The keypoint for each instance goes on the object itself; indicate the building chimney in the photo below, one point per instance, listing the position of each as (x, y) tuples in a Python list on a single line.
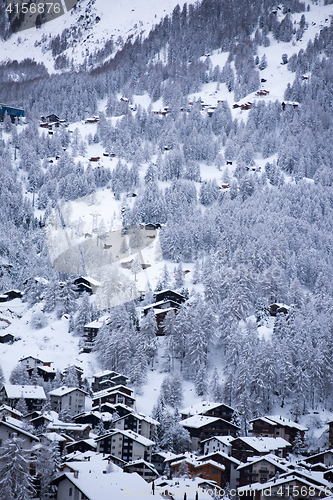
[(76, 474)]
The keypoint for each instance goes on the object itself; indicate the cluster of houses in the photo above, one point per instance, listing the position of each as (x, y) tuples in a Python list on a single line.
[(111, 444)]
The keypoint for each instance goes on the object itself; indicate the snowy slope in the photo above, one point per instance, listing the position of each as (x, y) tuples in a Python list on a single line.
[(117, 19)]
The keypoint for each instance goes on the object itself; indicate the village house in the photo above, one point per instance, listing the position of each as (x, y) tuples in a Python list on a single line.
[(125, 444), (209, 409), (277, 426), (245, 447), (143, 468), (231, 464), (100, 485), (209, 469), (82, 445), (31, 362), (137, 422), (86, 284), (75, 431), (8, 429), (282, 488), (325, 458), (217, 443), (34, 396), (107, 378), (90, 331), (158, 459), (94, 418), (7, 338), (202, 427), (114, 395), (71, 398), (260, 469), (118, 408), (275, 309), (7, 411)]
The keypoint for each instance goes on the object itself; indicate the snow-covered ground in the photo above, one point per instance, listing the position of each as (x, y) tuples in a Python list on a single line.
[(117, 19)]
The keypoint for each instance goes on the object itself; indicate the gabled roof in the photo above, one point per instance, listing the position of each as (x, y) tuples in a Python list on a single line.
[(18, 429), (140, 416), (143, 462), (226, 440), (272, 459), (33, 357), (282, 421), (275, 482), (264, 444), (130, 434), (197, 421), (62, 391), (201, 408), (97, 486), (222, 455), (25, 391)]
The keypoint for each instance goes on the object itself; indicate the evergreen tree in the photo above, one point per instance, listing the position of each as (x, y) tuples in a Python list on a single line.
[(47, 463), (15, 480)]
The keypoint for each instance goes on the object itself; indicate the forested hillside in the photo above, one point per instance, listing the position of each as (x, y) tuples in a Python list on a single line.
[(266, 237)]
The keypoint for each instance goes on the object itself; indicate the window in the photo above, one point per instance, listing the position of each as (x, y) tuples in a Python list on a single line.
[(70, 492), (214, 470), (70, 400), (0, 442)]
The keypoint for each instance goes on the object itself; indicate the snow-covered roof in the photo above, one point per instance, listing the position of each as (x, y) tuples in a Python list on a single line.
[(96, 486), (274, 482), (140, 416), (105, 373), (11, 410), (202, 407), (178, 486), (141, 461), (130, 434), (286, 422), (263, 444), (67, 426), (272, 459), (222, 455), (17, 428), (91, 280), (312, 476), (54, 436), (111, 390), (61, 391), (98, 323), (226, 440), (25, 391), (197, 421)]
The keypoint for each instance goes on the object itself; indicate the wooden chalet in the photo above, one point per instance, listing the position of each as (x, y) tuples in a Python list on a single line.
[(86, 284), (210, 409), (245, 447), (170, 295), (325, 458), (34, 396), (209, 469), (202, 427), (106, 379), (94, 418), (275, 309), (282, 488), (277, 426), (114, 395), (260, 470), (143, 468), (231, 464)]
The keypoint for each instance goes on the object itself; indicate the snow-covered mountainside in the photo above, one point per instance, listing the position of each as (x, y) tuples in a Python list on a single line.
[(214, 126), (87, 28)]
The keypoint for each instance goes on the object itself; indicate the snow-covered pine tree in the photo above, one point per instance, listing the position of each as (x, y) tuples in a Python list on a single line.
[(16, 483)]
